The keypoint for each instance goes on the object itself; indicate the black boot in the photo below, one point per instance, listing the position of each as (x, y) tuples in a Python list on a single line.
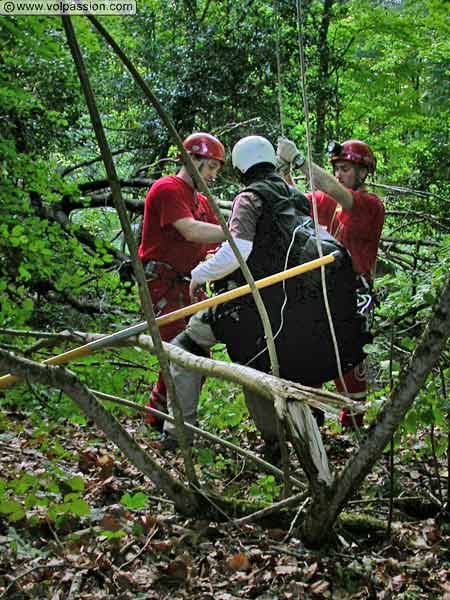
[(271, 452)]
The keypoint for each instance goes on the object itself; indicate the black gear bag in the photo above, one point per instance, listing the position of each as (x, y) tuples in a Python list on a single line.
[(304, 343)]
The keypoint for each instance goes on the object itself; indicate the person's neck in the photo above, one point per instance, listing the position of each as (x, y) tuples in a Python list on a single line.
[(184, 175)]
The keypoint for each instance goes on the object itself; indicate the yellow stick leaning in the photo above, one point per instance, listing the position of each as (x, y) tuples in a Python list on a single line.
[(112, 338)]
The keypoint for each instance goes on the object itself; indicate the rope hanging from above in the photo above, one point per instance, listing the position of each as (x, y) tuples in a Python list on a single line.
[(311, 178), (310, 170)]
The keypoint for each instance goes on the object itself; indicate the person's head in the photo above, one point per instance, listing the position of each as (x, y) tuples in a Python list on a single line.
[(352, 161), (254, 157), (207, 152)]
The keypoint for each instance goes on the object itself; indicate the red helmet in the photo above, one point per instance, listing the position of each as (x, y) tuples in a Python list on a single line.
[(205, 144), (354, 151)]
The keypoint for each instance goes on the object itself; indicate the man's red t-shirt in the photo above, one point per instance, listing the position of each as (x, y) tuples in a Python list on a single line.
[(358, 229), (168, 200)]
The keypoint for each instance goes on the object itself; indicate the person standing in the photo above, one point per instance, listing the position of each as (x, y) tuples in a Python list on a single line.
[(179, 230), (353, 216)]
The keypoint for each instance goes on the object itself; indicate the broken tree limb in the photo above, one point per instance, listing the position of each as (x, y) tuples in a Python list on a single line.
[(185, 500), (305, 433), (262, 383)]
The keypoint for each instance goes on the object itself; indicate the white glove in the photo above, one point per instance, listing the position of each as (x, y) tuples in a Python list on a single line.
[(287, 151)]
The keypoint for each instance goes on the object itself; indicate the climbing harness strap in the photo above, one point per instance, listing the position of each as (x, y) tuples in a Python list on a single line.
[(155, 269)]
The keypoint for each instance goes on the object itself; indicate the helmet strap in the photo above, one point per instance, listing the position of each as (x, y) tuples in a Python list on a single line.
[(359, 180)]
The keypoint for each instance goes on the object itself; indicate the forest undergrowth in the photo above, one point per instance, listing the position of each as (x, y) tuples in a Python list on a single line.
[(77, 521)]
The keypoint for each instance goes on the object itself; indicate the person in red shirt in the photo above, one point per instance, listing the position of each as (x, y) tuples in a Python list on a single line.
[(353, 216), (179, 229)]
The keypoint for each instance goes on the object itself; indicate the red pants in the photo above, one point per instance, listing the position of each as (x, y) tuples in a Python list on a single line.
[(167, 296), (356, 384)]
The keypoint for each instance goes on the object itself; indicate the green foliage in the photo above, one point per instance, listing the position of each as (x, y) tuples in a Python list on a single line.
[(136, 501), (20, 497), (222, 405), (113, 535), (266, 489)]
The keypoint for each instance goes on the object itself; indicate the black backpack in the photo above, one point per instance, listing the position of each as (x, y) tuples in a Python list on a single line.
[(304, 343)]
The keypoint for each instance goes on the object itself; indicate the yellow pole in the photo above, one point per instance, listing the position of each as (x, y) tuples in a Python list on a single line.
[(86, 349), (244, 289)]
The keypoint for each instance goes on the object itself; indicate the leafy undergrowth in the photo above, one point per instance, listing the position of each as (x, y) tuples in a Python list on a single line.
[(78, 522)]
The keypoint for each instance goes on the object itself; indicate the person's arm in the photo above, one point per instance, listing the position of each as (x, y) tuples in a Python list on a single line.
[(221, 264), (246, 211), (288, 154), (326, 182), (199, 231)]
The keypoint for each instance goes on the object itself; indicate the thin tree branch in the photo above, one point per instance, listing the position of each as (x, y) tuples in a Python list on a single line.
[(201, 184), (92, 161), (198, 431), (60, 378), (193, 171), (126, 227)]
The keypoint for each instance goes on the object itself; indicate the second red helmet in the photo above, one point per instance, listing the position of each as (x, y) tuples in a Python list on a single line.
[(206, 145), (354, 151)]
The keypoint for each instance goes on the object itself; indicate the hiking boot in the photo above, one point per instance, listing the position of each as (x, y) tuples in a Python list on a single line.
[(271, 452), (166, 443), (152, 420), (319, 415), (156, 425)]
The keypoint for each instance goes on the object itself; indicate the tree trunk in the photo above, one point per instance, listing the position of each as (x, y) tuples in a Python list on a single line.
[(325, 508), (323, 90)]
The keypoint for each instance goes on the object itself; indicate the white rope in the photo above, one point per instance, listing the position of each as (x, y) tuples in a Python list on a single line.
[(314, 201), (279, 93), (283, 306)]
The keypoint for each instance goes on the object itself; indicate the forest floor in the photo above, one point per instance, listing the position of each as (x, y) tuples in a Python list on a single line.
[(78, 522)]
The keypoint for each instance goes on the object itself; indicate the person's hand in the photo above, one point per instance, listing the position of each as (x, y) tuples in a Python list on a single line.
[(287, 151), (194, 289)]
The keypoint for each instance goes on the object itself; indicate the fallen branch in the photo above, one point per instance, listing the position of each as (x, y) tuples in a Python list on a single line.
[(185, 500), (138, 270), (273, 508), (408, 242), (201, 432), (404, 190)]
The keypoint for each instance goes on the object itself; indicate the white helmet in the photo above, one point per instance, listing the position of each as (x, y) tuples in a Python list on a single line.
[(252, 150)]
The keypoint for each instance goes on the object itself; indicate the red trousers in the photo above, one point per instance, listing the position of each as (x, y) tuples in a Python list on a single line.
[(356, 384), (167, 295)]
